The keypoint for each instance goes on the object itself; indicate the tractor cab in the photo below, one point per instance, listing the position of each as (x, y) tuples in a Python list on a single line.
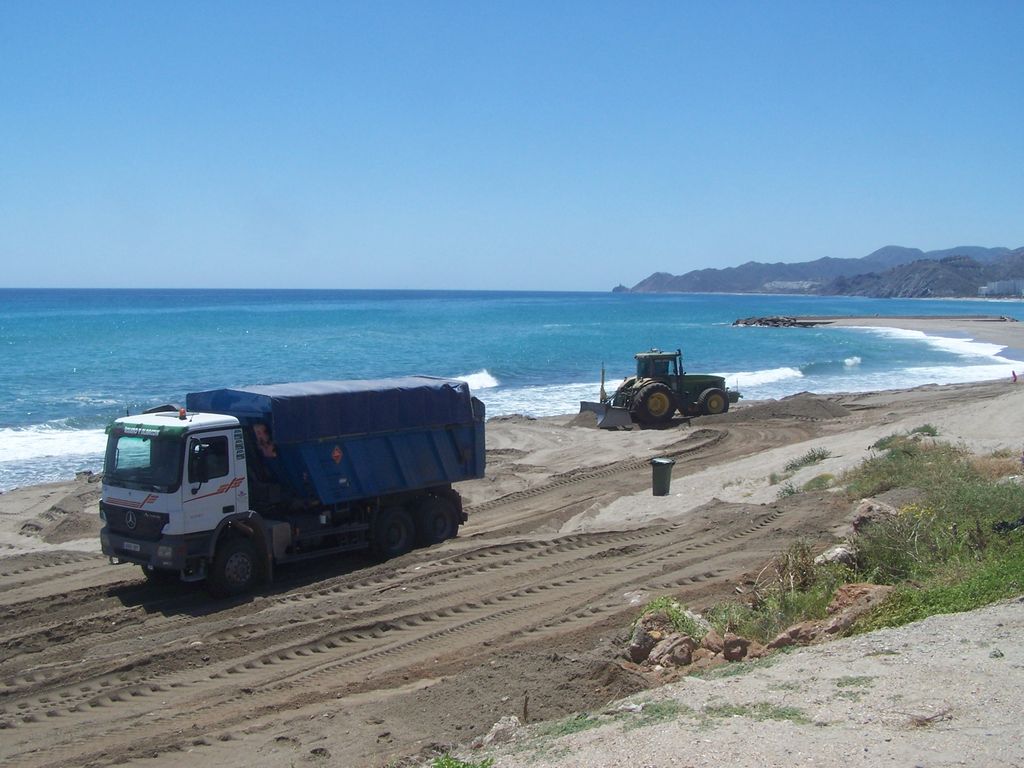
[(660, 366)]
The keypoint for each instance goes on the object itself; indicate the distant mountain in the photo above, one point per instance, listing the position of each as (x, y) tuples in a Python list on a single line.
[(893, 255), (951, 276), (889, 271)]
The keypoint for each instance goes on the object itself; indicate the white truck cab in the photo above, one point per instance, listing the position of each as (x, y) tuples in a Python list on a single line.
[(171, 479)]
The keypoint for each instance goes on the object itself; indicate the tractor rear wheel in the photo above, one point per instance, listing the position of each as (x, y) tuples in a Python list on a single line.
[(654, 404), (712, 401)]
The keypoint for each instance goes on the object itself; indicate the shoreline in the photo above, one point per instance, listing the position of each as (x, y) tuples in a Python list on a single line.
[(990, 329), (1000, 330), (993, 329)]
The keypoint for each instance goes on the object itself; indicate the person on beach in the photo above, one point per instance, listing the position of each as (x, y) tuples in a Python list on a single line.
[(264, 441)]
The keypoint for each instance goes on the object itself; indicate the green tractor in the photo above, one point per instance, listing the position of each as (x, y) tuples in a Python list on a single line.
[(659, 389)]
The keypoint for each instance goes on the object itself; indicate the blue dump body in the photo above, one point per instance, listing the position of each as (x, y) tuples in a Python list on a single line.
[(341, 441)]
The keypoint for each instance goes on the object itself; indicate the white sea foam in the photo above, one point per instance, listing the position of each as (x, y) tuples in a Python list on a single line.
[(859, 380), (964, 347), (544, 400), (741, 379), (44, 453), (41, 441), (480, 380), (852, 362), (953, 374)]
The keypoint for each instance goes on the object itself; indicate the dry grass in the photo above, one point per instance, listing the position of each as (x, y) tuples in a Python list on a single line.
[(996, 467)]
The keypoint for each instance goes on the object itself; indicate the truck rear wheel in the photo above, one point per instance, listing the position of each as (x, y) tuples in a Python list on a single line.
[(713, 401), (393, 533), (654, 405), (235, 569), (436, 520)]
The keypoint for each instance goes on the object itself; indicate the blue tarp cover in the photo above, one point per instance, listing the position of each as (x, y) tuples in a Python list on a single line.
[(316, 410)]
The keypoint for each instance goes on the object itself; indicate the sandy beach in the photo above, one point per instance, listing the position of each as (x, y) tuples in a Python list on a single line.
[(363, 663)]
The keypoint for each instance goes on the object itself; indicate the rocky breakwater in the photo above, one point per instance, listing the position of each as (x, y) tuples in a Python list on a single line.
[(778, 321)]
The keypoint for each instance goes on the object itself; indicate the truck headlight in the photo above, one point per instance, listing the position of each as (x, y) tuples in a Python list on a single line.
[(164, 552)]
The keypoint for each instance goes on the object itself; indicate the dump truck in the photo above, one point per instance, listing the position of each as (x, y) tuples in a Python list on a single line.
[(659, 389), (242, 480)]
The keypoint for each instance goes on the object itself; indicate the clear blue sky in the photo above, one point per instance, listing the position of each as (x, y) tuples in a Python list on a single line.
[(485, 145)]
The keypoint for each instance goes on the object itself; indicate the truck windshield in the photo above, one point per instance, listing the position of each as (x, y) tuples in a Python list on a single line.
[(143, 462)]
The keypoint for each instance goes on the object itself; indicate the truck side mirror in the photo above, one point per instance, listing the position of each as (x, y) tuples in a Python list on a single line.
[(198, 467)]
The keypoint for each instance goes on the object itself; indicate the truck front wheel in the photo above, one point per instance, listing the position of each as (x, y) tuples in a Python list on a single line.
[(236, 568), (393, 533), (437, 520)]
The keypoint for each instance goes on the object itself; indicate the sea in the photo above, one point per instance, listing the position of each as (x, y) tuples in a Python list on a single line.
[(74, 360)]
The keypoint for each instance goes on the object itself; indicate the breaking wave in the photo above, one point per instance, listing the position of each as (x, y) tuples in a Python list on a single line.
[(758, 378), (480, 380)]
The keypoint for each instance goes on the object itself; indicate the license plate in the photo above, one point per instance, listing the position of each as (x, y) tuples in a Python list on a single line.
[(131, 546)]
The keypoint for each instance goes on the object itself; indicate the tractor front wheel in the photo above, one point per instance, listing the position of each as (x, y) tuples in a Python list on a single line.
[(654, 405), (712, 402)]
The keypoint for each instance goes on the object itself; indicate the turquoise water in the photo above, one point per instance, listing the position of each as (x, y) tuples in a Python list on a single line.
[(75, 359)]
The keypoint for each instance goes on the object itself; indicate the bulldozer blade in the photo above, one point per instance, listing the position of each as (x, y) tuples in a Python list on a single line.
[(608, 416)]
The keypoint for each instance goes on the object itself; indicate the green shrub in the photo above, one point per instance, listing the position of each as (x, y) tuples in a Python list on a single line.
[(759, 711), (655, 712), (950, 527), (908, 464), (905, 441), (787, 489), (808, 459), (681, 621), (944, 553), (792, 588), (819, 482), (582, 721), (998, 577), (771, 612), (447, 761)]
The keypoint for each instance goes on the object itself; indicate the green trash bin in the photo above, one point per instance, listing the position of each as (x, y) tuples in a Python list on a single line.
[(661, 480)]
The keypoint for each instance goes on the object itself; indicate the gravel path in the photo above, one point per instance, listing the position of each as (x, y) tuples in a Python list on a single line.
[(946, 691)]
